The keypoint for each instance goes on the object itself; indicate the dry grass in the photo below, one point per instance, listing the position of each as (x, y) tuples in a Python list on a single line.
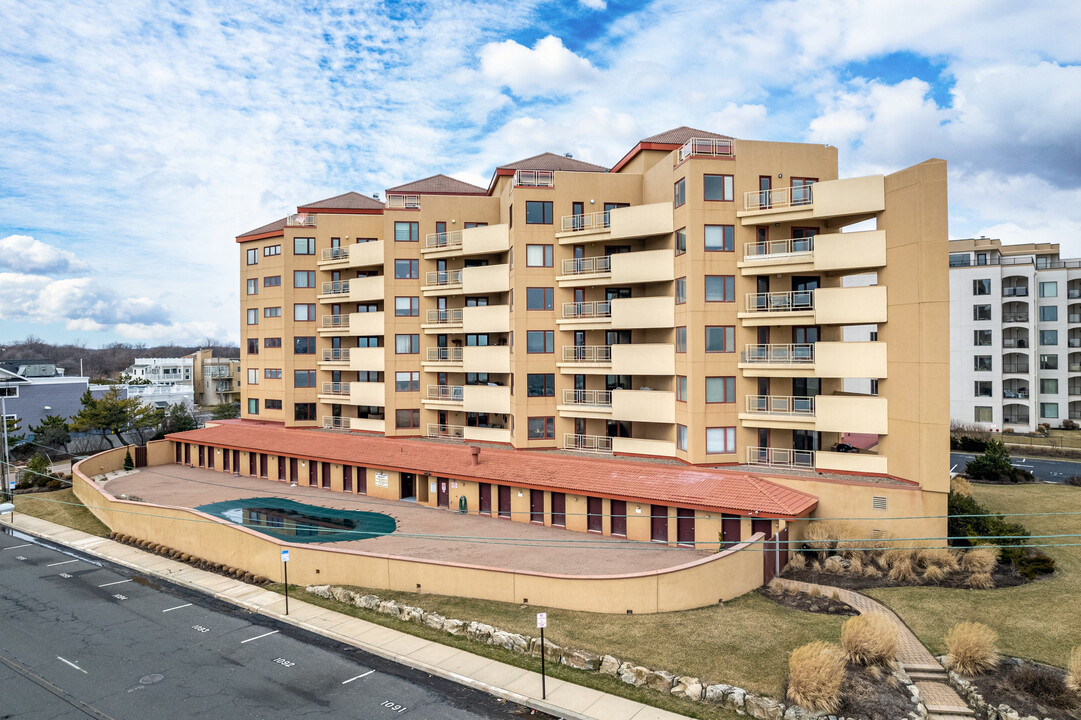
[(819, 536), (796, 562), (874, 672), (972, 648), (980, 581), (63, 508), (980, 560), (855, 565), (836, 595), (776, 586), (939, 557), (933, 574), (834, 565), (815, 591), (815, 674), (1073, 670), (901, 570), (869, 639), (960, 486), (816, 566), (870, 571)]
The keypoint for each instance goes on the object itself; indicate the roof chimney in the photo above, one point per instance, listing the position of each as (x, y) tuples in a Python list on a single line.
[(476, 454)]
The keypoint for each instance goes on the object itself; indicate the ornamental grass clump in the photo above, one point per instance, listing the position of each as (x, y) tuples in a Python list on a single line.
[(980, 560), (960, 486), (869, 639), (980, 581), (815, 674), (1073, 670), (796, 562), (933, 574), (971, 648), (819, 536), (901, 571), (940, 557), (834, 565)]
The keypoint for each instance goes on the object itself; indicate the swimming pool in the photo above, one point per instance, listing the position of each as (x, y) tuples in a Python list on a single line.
[(300, 523)]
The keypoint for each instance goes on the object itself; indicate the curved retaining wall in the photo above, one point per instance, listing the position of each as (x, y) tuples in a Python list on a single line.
[(722, 576)]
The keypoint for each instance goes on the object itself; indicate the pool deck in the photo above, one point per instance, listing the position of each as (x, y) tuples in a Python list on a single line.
[(423, 532)]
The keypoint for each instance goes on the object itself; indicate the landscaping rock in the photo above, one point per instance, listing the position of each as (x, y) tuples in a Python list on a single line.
[(688, 687), (434, 620), (610, 666), (633, 674), (763, 708), (662, 680), (370, 602), (342, 595), (795, 712), (389, 607), (411, 613), (581, 660), (1005, 712), (510, 641), (552, 652), (322, 591), (479, 632), (454, 627)]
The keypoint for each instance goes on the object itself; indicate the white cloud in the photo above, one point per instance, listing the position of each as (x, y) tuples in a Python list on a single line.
[(548, 69), (24, 254), (593, 4), (38, 298)]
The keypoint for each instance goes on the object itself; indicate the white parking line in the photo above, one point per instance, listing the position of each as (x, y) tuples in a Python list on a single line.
[(69, 662), (17, 546), (66, 562), (258, 636), (358, 677), (118, 582), (177, 607)]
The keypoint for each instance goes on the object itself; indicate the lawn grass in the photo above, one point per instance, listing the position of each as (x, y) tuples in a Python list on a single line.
[(1039, 620), (62, 508)]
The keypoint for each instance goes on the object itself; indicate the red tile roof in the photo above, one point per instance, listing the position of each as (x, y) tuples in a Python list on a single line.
[(704, 489), (680, 135), (269, 227), (345, 201), (439, 185), (551, 161)]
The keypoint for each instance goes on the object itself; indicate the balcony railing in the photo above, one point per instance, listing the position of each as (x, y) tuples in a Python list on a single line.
[(445, 393), (780, 301), (587, 266), (1073, 390), (1014, 368), (707, 147), (445, 431), (587, 443), (223, 386), (448, 240), (1073, 342), (779, 354), (768, 249), (1073, 293), (445, 316), (335, 354), (1016, 393), (535, 178), (601, 398), (336, 287), (1015, 318), (336, 253), (335, 422), (442, 278), (1015, 292), (335, 388), (586, 221), (778, 197), (587, 309), (587, 353), (301, 220), (399, 202), (335, 321), (1015, 420), (444, 354), (781, 404), (781, 457), (1073, 318), (1014, 342)]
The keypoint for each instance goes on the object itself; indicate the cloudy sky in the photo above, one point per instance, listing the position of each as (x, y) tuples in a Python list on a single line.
[(137, 139)]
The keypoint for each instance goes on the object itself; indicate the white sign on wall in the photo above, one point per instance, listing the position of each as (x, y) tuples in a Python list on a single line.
[(382, 480)]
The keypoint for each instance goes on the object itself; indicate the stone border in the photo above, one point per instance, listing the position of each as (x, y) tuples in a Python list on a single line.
[(971, 693)]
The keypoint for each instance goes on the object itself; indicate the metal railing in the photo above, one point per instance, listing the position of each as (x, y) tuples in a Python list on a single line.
[(587, 397), (587, 443), (781, 457), (398, 202), (1015, 292), (778, 198), (1073, 318), (780, 301), (301, 220), (1073, 294), (445, 393), (588, 266), (335, 388), (779, 354), (1023, 318), (1014, 368), (445, 316), (781, 404), (335, 422), (335, 321), (708, 147), (587, 309), (586, 221), (335, 287), (1073, 342), (450, 239), (439, 278), (335, 253), (535, 178), (446, 431), (1018, 394), (444, 354), (335, 354), (765, 249), (1015, 342), (587, 353)]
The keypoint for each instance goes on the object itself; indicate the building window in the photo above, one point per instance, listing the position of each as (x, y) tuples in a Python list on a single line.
[(253, 316), (981, 287), (253, 376), (983, 388), (406, 232), (681, 437), (720, 389), (1048, 289), (253, 286), (1049, 362), (407, 419), (541, 385), (272, 250), (272, 312), (538, 255), (303, 378), (538, 299), (719, 187), (253, 406), (304, 312), (720, 238), (720, 339), (1048, 313), (679, 192), (272, 281), (304, 411), (681, 339), (1048, 386), (542, 428), (539, 341), (1049, 337), (681, 290), (981, 338), (407, 344), (303, 345), (982, 363), (253, 346), (406, 306), (538, 212), (1049, 410), (681, 241), (981, 312), (272, 342), (272, 374), (983, 414), (407, 269), (720, 440), (681, 388), (720, 288), (303, 246), (253, 256), (407, 382), (272, 404)]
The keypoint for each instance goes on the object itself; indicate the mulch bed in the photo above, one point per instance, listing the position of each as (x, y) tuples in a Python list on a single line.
[(1004, 576), (1030, 689), (864, 697), (803, 601)]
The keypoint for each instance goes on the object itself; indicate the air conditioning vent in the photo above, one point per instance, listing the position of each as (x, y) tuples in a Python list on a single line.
[(878, 502)]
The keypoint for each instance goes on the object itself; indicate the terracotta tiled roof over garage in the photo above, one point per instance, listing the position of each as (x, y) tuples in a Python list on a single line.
[(438, 185), (350, 201), (671, 485), (551, 161)]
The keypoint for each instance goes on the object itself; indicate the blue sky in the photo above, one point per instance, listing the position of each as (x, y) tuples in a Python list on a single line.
[(138, 138)]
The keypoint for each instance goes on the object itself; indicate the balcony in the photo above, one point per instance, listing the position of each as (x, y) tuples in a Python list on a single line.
[(778, 198), (486, 319), (444, 395), (1019, 291), (443, 320), (779, 354), (368, 394), (585, 222), (368, 424), (450, 432), (823, 413), (781, 458), (468, 432), (443, 357), (367, 254), (587, 443), (367, 324), (403, 202), (335, 355), (486, 399), (644, 359), (824, 306), (636, 221), (442, 282), (534, 178), (335, 287), (829, 251), (601, 399), (335, 422), (366, 289), (704, 147), (486, 279), (483, 240), (334, 322), (644, 312), (587, 310), (443, 241), (334, 254), (862, 196), (798, 405), (300, 220), (486, 358), (643, 266), (821, 359), (592, 266), (335, 389), (368, 359), (587, 356)]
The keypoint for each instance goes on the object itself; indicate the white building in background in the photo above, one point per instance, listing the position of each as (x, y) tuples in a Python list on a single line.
[(163, 371), (1015, 335)]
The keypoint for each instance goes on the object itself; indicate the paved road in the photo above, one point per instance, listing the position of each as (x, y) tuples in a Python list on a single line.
[(79, 640), (1052, 471)]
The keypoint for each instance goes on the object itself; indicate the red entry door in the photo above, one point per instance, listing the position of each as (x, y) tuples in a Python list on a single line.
[(536, 506), (486, 498), (443, 492), (202, 451), (762, 525), (596, 519), (559, 510), (619, 518), (730, 529), (685, 527), (658, 524), (504, 501)]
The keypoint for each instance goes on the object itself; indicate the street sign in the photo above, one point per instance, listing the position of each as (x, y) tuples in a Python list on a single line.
[(542, 620), (285, 556)]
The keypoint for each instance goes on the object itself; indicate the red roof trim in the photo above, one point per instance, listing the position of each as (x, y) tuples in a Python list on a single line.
[(639, 148), (261, 236), (340, 211), (499, 172)]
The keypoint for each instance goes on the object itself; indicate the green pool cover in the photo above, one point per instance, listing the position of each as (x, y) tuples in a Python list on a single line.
[(297, 522)]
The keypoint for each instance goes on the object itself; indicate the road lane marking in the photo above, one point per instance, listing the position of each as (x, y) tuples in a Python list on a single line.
[(953, 468), (358, 677), (17, 546), (66, 562), (258, 636), (118, 582), (69, 662), (177, 607)]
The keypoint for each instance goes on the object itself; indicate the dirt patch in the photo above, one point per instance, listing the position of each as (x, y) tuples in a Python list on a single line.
[(1030, 689), (1004, 576), (802, 601), (874, 699)]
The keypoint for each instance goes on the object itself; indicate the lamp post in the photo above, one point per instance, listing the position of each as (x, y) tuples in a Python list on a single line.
[(7, 453)]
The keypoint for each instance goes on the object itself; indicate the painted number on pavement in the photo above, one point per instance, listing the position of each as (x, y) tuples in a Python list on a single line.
[(394, 706), (284, 662), (200, 628)]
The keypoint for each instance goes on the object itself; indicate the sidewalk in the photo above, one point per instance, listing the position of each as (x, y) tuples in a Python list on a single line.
[(511, 683)]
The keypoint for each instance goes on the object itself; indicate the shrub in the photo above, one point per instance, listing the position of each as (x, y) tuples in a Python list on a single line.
[(971, 648), (815, 591), (897, 555), (818, 536), (815, 674), (995, 466), (943, 558), (855, 565), (775, 587), (901, 571), (967, 443), (1074, 480), (1073, 670), (1035, 562), (834, 565), (964, 523), (796, 562), (1040, 682), (816, 566), (961, 486), (981, 581), (933, 574), (872, 572), (129, 464), (869, 639), (1069, 425), (980, 560)]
